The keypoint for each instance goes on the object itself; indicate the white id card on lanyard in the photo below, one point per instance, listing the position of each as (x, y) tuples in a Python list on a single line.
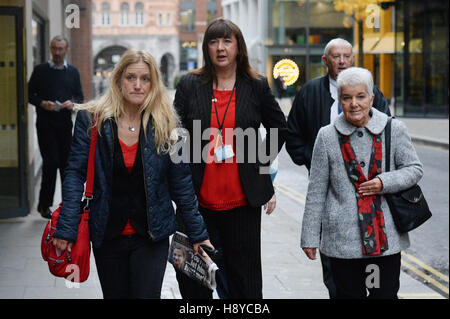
[(222, 152)]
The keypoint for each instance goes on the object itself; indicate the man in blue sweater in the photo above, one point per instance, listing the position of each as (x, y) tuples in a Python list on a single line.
[(53, 88)]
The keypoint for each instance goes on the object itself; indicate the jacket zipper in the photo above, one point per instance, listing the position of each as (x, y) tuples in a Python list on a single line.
[(145, 189)]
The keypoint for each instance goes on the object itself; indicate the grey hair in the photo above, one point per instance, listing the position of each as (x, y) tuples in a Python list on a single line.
[(337, 42), (355, 76), (60, 38)]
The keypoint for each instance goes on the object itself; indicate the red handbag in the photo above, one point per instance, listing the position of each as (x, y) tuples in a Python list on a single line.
[(73, 266)]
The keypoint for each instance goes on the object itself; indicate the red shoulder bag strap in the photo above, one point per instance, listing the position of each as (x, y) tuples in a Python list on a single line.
[(90, 170)]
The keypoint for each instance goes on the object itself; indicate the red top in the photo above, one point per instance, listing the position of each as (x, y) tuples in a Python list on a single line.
[(221, 187), (129, 156)]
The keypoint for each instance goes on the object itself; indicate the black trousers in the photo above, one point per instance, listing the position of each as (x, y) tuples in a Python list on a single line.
[(131, 267), (237, 233), (54, 144), (371, 278)]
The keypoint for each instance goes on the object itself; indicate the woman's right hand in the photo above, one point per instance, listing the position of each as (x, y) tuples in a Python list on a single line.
[(310, 252), (62, 244)]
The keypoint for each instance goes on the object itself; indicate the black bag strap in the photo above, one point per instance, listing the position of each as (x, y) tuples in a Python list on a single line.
[(387, 141)]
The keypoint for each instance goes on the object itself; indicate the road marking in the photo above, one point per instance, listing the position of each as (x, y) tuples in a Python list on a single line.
[(425, 266), (421, 295), (287, 188), (425, 276), (298, 200)]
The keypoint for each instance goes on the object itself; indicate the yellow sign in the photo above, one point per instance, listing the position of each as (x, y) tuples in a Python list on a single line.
[(288, 70)]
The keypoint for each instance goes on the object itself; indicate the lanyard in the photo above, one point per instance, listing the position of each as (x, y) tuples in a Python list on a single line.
[(225, 114)]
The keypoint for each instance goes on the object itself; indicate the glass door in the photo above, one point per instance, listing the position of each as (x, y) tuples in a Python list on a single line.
[(13, 197)]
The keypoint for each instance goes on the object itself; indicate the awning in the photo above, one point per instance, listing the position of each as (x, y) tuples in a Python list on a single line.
[(368, 43), (386, 45), (378, 44)]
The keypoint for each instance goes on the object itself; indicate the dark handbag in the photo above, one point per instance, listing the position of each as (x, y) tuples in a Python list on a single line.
[(409, 209), (73, 266)]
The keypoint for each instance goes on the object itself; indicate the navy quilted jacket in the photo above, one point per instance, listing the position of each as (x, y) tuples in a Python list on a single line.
[(164, 181)]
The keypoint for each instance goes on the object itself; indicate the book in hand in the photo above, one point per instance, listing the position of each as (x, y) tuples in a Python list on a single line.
[(197, 267)]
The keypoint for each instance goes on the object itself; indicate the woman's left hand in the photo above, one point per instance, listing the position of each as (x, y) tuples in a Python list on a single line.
[(270, 205), (197, 245), (372, 187)]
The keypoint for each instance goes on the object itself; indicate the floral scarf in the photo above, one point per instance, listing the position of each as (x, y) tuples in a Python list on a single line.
[(370, 214)]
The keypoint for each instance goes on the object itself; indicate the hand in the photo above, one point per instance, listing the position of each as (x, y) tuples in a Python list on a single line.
[(48, 105), (67, 105), (197, 246), (62, 244), (310, 252), (270, 205), (372, 187)]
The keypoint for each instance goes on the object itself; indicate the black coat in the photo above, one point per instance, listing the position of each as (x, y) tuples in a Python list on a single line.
[(255, 105), (310, 111)]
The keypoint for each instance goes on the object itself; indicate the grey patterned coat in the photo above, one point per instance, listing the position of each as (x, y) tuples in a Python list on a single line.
[(331, 200)]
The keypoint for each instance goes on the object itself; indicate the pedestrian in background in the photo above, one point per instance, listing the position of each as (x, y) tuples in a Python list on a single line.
[(317, 105), (345, 192), (227, 94), (53, 88), (131, 213)]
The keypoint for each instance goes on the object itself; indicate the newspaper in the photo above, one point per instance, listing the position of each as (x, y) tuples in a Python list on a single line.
[(181, 256)]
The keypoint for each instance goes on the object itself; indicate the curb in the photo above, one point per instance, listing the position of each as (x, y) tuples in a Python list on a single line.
[(429, 141)]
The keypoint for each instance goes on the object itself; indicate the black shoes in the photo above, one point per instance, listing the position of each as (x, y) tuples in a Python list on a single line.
[(44, 211)]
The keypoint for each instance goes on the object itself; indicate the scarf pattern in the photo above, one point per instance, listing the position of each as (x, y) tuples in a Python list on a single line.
[(370, 214)]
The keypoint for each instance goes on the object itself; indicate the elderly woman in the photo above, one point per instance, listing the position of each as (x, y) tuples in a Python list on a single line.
[(131, 215), (345, 193)]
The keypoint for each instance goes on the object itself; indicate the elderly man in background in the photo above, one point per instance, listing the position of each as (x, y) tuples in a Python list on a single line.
[(317, 105)]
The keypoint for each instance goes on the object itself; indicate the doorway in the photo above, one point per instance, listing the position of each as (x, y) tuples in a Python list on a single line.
[(13, 194)]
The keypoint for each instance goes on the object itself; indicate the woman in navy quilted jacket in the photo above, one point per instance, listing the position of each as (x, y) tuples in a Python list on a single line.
[(131, 212)]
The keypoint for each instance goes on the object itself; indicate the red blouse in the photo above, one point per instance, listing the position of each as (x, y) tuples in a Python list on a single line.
[(221, 187), (129, 156)]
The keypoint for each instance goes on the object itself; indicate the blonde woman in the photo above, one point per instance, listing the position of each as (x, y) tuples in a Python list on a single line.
[(131, 211)]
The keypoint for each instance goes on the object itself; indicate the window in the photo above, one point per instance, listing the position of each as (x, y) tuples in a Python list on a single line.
[(160, 17), (211, 10), (124, 13), (106, 15), (94, 14), (187, 15), (139, 12)]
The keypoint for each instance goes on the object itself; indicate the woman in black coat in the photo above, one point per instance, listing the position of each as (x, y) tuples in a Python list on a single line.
[(222, 105)]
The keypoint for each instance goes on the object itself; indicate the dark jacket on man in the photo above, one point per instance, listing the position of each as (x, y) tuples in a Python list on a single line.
[(310, 111)]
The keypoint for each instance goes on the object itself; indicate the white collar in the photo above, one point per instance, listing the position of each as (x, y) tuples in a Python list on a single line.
[(54, 66)]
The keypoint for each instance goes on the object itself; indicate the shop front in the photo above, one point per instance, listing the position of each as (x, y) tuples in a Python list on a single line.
[(421, 58), (299, 31)]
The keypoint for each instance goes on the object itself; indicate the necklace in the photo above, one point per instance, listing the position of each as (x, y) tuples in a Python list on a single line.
[(131, 127)]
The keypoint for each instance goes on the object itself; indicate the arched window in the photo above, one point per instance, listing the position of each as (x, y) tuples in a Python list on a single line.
[(106, 14), (124, 13), (139, 13)]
